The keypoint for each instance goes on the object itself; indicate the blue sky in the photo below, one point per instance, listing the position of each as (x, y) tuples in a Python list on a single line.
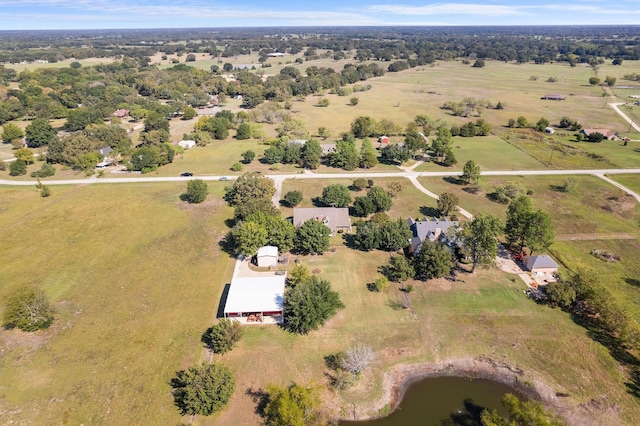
[(84, 14)]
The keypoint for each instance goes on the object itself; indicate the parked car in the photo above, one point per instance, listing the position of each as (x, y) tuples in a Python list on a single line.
[(186, 174), (224, 178)]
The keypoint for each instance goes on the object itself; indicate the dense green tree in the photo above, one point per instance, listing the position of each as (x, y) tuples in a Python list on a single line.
[(610, 81), (594, 81), (432, 260), (368, 155), (364, 126), (28, 309), (203, 389), (447, 203), (311, 154), (394, 154), (519, 412), (79, 118), (280, 231), (363, 206), (222, 337), (561, 294), (345, 155), (414, 142), (367, 236), (518, 214), (470, 173), (380, 284), (359, 184), (522, 122), (540, 232), (197, 191), (155, 121), (244, 131), (39, 133), (336, 195), (312, 237), (109, 136), (309, 305), (274, 154), (250, 186), (248, 237), (380, 198), (17, 168), (45, 170), (293, 198), (292, 406), (189, 113), (399, 269), (479, 63), (248, 156), (393, 235), (253, 206), (542, 124), (442, 144), (11, 132), (480, 239)]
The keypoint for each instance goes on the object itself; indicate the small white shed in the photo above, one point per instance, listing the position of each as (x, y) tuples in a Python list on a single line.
[(188, 144), (267, 256)]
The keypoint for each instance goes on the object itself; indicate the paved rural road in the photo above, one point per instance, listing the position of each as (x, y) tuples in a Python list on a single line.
[(623, 115)]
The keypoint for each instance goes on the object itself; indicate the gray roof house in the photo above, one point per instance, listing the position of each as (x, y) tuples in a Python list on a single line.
[(432, 230), (335, 218)]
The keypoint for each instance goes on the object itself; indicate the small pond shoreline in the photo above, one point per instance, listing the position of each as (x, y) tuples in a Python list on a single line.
[(398, 379)]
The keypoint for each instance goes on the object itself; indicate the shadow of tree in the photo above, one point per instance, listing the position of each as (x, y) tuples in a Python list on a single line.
[(429, 211), (469, 417), (632, 281), (259, 397)]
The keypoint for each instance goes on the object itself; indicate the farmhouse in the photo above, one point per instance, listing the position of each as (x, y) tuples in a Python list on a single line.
[(267, 256), (554, 97), (121, 113), (187, 144), (542, 266), (106, 158), (256, 300), (432, 230), (608, 134), (328, 148), (336, 219)]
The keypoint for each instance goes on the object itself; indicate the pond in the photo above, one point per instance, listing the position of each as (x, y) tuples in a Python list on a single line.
[(444, 401)]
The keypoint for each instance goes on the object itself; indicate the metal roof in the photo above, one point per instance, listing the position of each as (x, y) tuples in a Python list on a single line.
[(256, 294)]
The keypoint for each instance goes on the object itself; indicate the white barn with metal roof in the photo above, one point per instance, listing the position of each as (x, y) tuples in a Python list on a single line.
[(254, 299)]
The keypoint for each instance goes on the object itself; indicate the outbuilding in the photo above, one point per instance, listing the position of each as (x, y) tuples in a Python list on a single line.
[(267, 256), (187, 144), (256, 300), (542, 266)]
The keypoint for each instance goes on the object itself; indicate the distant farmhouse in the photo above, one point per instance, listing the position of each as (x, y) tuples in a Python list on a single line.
[(336, 219), (121, 113), (554, 97), (432, 230), (608, 134)]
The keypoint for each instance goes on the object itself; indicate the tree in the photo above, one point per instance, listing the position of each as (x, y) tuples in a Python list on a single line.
[(11, 132), (522, 122), (39, 133), (540, 233), (298, 274), (359, 184), (357, 358), (354, 101), (189, 113), (528, 228), (45, 191), (594, 81), (380, 198), (155, 121), (249, 187), (203, 389), (227, 67), (542, 124), (280, 231), (293, 406), (312, 237), (311, 154), (222, 337), (363, 206), (368, 155), (399, 269), (480, 239), (561, 294), (309, 305), (392, 235), (364, 126), (479, 63), (346, 155), (394, 154), (447, 203), (28, 309), (520, 413), (18, 168), (610, 81), (293, 198), (336, 195), (244, 131), (236, 167), (248, 237), (367, 236), (25, 154), (197, 191), (248, 156), (414, 142), (380, 284), (470, 173), (442, 144), (432, 260), (596, 137)]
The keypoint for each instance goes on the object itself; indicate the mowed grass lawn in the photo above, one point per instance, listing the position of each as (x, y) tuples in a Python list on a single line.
[(136, 277)]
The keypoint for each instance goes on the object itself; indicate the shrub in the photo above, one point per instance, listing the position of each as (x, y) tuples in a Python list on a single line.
[(18, 168), (203, 389), (222, 337), (28, 309), (237, 167), (293, 198), (197, 191)]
